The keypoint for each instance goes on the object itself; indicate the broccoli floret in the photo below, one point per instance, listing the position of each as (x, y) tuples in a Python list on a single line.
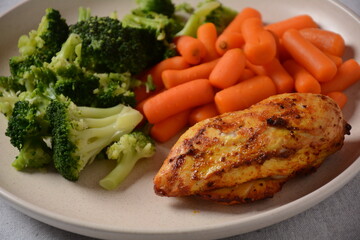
[(80, 133), (154, 22), (127, 151), (34, 154), (221, 17), (165, 7), (198, 17), (40, 45), (115, 88), (9, 90), (107, 46), (47, 39)]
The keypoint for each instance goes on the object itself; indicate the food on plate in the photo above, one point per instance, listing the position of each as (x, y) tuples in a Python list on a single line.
[(248, 155)]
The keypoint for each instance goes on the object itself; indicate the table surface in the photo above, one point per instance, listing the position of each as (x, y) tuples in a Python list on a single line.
[(337, 217)]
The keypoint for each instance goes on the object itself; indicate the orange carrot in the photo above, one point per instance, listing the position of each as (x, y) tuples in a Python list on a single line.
[(339, 97), (176, 62), (325, 40), (207, 34), (309, 56), (283, 81), (347, 75), (203, 112), (244, 94), (229, 69), (235, 24), (297, 22), (336, 59), (192, 49), (257, 69), (172, 78), (260, 45), (169, 127), (304, 81), (177, 99), (228, 40), (247, 73)]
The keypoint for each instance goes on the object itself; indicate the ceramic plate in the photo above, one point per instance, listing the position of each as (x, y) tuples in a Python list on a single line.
[(134, 211)]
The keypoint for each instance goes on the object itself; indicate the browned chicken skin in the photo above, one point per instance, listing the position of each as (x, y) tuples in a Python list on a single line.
[(248, 155)]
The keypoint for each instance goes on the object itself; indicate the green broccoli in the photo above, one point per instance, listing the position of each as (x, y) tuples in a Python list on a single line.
[(115, 88), (40, 45), (34, 154), (80, 133), (127, 151), (9, 90), (220, 16), (165, 7), (198, 17), (107, 46)]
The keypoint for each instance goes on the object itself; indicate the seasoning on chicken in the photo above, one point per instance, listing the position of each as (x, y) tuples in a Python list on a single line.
[(248, 155)]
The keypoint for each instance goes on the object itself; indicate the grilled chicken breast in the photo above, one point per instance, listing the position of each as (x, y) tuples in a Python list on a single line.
[(248, 155)]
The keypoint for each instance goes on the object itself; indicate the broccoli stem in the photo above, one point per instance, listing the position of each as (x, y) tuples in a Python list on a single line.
[(84, 14), (119, 173), (197, 18)]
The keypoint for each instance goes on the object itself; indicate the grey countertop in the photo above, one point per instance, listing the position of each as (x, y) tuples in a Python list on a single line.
[(337, 217)]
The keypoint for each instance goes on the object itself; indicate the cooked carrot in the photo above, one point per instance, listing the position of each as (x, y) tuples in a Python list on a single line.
[(192, 49), (283, 81), (247, 73), (336, 59), (207, 34), (325, 40), (176, 62), (260, 45), (172, 78), (235, 24), (244, 94), (257, 69), (297, 22), (229, 69), (347, 75), (339, 97), (177, 99), (304, 81), (309, 56), (228, 40), (203, 112), (169, 127)]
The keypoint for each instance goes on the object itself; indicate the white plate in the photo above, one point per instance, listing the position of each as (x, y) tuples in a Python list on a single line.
[(134, 211)]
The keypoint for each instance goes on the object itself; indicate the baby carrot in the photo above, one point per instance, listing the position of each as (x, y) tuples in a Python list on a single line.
[(229, 69), (336, 59), (176, 62), (309, 56), (257, 69), (192, 49), (207, 34), (244, 94), (169, 127), (283, 81), (297, 22), (339, 97), (228, 40), (304, 81), (203, 112), (172, 78), (247, 73), (260, 45), (325, 40), (177, 99), (348, 74), (235, 24)]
